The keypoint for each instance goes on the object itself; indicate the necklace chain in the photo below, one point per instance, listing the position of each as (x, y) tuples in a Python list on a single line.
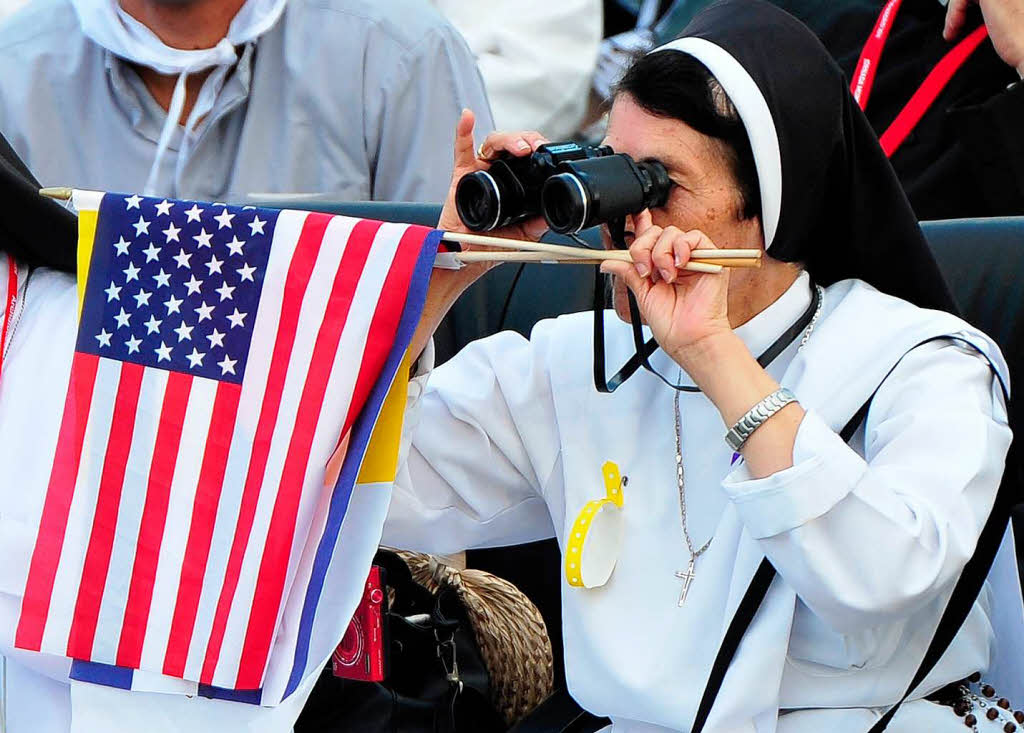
[(680, 476), (19, 304)]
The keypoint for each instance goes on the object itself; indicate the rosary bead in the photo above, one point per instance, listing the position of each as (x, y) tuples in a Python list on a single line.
[(988, 691), (1009, 728), (1019, 717), (975, 678), (992, 714), (1003, 703), (961, 707), (970, 721)]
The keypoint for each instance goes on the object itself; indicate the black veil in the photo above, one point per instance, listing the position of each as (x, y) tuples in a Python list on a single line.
[(34, 230), (830, 198)]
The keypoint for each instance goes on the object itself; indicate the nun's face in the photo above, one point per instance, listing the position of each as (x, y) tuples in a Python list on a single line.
[(706, 195)]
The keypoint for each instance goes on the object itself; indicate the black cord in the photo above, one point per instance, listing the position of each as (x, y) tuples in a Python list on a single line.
[(508, 297)]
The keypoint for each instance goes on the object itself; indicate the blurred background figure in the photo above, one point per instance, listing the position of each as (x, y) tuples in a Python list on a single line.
[(537, 58), (220, 99), (9, 6)]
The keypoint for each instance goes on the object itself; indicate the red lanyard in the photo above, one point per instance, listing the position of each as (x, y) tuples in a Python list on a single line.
[(927, 93), (12, 297)]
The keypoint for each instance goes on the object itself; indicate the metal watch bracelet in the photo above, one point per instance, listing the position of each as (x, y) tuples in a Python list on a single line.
[(757, 416)]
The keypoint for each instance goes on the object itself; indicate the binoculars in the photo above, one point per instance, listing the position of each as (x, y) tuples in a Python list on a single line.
[(574, 186)]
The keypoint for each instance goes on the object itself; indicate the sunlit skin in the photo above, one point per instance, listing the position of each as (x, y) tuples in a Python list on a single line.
[(691, 315)]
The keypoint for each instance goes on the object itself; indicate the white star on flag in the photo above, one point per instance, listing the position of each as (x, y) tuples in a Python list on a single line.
[(235, 245), (183, 259), (184, 332), (132, 273), (227, 365), (216, 338), (163, 352), (141, 227), (152, 252), (225, 291), (133, 345), (171, 232), (193, 285), (104, 338), (141, 298), (164, 208), (133, 201), (193, 213), (113, 292), (121, 245), (122, 318), (173, 305), (246, 271), (223, 219), (214, 265), (256, 225), (195, 358), (152, 325), (203, 238), (204, 312), (163, 280), (237, 319)]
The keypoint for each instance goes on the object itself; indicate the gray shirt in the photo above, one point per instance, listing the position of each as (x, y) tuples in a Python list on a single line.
[(346, 99)]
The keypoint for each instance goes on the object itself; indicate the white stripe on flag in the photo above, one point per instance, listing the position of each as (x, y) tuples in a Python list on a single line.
[(129, 516), (179, 511), (314, 303), (332, 415), (83, 506), (286, 234)]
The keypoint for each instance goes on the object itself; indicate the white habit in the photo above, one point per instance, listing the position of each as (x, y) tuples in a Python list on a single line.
[(507, 444)]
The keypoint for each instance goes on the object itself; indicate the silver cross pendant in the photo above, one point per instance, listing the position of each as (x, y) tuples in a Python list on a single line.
[(687, 578)]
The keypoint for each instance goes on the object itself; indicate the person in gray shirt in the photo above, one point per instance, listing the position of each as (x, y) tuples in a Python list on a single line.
[(343, 99)]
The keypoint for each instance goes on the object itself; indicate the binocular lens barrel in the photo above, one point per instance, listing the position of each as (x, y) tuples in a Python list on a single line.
[(590, 192), (478, 201)]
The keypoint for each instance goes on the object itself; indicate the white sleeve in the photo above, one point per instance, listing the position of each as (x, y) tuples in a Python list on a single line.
[(537, 58), (867, 541), (481, 445)]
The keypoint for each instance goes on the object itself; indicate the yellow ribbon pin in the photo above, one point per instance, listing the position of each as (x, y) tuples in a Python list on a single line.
[(594, 540)]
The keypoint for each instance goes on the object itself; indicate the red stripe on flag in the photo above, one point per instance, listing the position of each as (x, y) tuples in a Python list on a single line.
[(280, 534), (104, 522), (299, 271), (386, 319), (154, 517), (35, 606), (200, 531)]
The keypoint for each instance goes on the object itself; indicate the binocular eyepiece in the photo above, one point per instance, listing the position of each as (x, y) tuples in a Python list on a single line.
[(573, 186)]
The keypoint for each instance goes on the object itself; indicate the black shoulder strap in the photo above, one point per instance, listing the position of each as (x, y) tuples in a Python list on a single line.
[(964, 594)]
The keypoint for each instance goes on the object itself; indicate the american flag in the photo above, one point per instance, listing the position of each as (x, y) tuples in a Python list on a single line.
[(222, 354)]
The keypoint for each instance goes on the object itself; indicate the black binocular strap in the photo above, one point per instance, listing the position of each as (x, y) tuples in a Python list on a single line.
[(644, 350), (960, 603)]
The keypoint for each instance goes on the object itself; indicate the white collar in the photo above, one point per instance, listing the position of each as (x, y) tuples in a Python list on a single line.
[(762, 330)]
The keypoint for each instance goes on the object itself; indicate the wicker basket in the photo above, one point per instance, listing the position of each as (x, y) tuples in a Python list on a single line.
[(509, 630)]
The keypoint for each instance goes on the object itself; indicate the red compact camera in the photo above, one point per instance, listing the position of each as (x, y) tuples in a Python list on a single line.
[(362, 653)]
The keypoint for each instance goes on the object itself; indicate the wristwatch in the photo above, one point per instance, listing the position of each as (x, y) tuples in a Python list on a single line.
[(757, 416)]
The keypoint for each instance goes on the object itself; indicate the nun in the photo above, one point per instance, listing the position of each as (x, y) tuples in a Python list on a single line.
[(865, 425)]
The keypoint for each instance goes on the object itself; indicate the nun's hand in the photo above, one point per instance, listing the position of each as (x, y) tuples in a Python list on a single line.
[(1005, 22), (447, 285), (681, 307)]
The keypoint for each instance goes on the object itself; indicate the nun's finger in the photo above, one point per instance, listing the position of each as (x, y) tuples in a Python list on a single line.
[(516, 143), (956, 16), (465, 158), (664, 253), (641, 248)]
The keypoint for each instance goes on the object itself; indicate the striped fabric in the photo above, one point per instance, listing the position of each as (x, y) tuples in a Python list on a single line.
[(187, 538)]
